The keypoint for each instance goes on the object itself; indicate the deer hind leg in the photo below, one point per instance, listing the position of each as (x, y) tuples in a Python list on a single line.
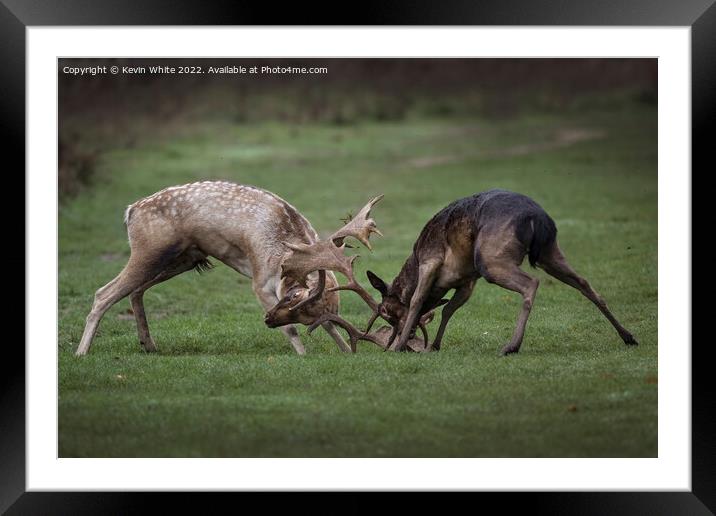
[(458, 299), (134, 274), (510, 276), (498, 255), (555, 264), (185, 262)]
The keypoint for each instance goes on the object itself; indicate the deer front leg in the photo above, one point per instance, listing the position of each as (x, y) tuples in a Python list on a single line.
[(331, 330), (267, 297), (427, 273), (292, 333), (458, 299)]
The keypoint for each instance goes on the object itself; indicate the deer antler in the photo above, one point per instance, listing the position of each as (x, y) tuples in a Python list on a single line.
[(330, 255), (354, 335), (382, 338), (307, 258), (359, 227)]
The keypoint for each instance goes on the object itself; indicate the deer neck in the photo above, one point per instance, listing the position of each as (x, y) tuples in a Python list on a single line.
[(406, 281)]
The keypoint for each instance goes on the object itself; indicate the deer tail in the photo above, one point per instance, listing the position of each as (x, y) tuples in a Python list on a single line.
[(544, 233), (128, 214)]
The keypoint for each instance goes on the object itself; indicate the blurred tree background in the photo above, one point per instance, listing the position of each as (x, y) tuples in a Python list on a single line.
[(102, 112)]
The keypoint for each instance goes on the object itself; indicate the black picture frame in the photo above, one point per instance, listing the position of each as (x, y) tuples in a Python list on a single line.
[(17, 15)]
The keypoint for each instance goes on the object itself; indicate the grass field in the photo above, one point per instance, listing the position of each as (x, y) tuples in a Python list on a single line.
[(223, 384)]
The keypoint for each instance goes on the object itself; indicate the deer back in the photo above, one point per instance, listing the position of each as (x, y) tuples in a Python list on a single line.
[(223, 219), (451, 236)]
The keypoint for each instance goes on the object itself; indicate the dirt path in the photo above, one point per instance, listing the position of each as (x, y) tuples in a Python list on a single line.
[(562, 138)]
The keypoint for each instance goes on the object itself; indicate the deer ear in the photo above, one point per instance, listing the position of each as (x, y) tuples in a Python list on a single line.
[(377, 283)]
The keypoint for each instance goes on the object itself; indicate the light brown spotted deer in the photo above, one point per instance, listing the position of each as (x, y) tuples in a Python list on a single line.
[(247, 228)]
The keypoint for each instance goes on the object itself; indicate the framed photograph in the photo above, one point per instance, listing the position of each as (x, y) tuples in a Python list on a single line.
[(197, 319)]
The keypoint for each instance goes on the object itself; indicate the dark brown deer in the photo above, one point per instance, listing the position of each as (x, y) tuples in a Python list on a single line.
[(177, 229), (486, 235)]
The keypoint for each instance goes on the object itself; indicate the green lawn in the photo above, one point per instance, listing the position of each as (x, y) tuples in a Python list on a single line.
[(224, 385)]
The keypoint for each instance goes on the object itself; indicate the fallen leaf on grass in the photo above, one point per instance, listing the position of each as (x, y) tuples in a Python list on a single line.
[(572, 408), (651, 379)]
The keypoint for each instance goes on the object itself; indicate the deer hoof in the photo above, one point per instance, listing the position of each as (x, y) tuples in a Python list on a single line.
[(148, 346), (630, 340), (508, 350)]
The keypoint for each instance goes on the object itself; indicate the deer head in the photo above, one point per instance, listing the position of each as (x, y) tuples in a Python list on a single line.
[(303, 302), (328, 255), (394, 310)]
